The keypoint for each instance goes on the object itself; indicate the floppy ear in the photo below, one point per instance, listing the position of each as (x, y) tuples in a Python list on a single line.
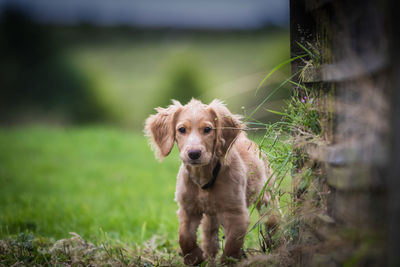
[(160, 129), (228, 127)]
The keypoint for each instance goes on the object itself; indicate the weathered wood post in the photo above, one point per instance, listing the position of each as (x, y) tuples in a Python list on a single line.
[(393, 182), (352, 75)]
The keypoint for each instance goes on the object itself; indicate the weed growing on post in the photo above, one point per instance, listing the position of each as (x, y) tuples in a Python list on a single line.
[(284, 144)]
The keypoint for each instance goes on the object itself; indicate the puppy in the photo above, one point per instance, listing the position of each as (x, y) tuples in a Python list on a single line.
[(220, 176)]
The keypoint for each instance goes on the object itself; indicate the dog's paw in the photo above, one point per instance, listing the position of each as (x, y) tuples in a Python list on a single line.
[(194, 257)]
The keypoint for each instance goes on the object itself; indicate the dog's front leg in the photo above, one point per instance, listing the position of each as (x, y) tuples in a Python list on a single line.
[(210, 227), (235, 225), (188, 224)]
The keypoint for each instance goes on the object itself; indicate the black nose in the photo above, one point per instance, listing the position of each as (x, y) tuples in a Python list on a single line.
[(194, 154)]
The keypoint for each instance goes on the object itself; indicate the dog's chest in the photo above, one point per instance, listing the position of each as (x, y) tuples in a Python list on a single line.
[(207, 202), (204, 201)]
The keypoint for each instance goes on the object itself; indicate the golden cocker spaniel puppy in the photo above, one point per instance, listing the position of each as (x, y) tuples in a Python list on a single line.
[(221, 174)]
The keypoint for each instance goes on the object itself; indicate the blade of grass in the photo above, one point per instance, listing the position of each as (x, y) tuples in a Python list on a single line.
[(307, 51), (257, 123), (262, 192), (277, 68), (269, 179), (273, 143), (269, 96), (276, 112), (301, 86)]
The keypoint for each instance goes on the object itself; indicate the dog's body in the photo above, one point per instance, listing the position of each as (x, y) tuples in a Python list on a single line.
[(220, 176)]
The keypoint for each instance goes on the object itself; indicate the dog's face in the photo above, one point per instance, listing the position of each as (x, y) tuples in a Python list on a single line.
[(200, 131), (195, 134)]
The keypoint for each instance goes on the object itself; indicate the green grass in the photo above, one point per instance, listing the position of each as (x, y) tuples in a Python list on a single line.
[(88, 180), (59, 180)]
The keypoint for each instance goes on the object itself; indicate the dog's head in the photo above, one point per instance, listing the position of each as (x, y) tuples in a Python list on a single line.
[(200, 131)]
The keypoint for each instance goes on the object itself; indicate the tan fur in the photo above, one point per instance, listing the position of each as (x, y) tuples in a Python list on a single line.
[(241, 178), (160, 128)]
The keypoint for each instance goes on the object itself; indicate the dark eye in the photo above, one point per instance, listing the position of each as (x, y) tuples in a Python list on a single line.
[(182, 130), (207, 130)]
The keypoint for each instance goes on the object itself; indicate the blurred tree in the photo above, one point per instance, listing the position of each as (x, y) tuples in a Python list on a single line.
[(35, 75), (183, 81)]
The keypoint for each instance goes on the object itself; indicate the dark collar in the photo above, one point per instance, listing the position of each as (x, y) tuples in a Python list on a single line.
[(215, 172)]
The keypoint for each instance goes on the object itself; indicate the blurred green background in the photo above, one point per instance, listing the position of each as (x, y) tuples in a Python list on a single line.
[(118, 75), (72, 107)]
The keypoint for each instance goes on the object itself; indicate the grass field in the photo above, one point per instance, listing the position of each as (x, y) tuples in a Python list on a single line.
[(54, 181), (88, 180), (104, 183)]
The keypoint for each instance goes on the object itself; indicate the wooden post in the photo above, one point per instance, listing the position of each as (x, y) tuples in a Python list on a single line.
[(352, 39), (393, 183)]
